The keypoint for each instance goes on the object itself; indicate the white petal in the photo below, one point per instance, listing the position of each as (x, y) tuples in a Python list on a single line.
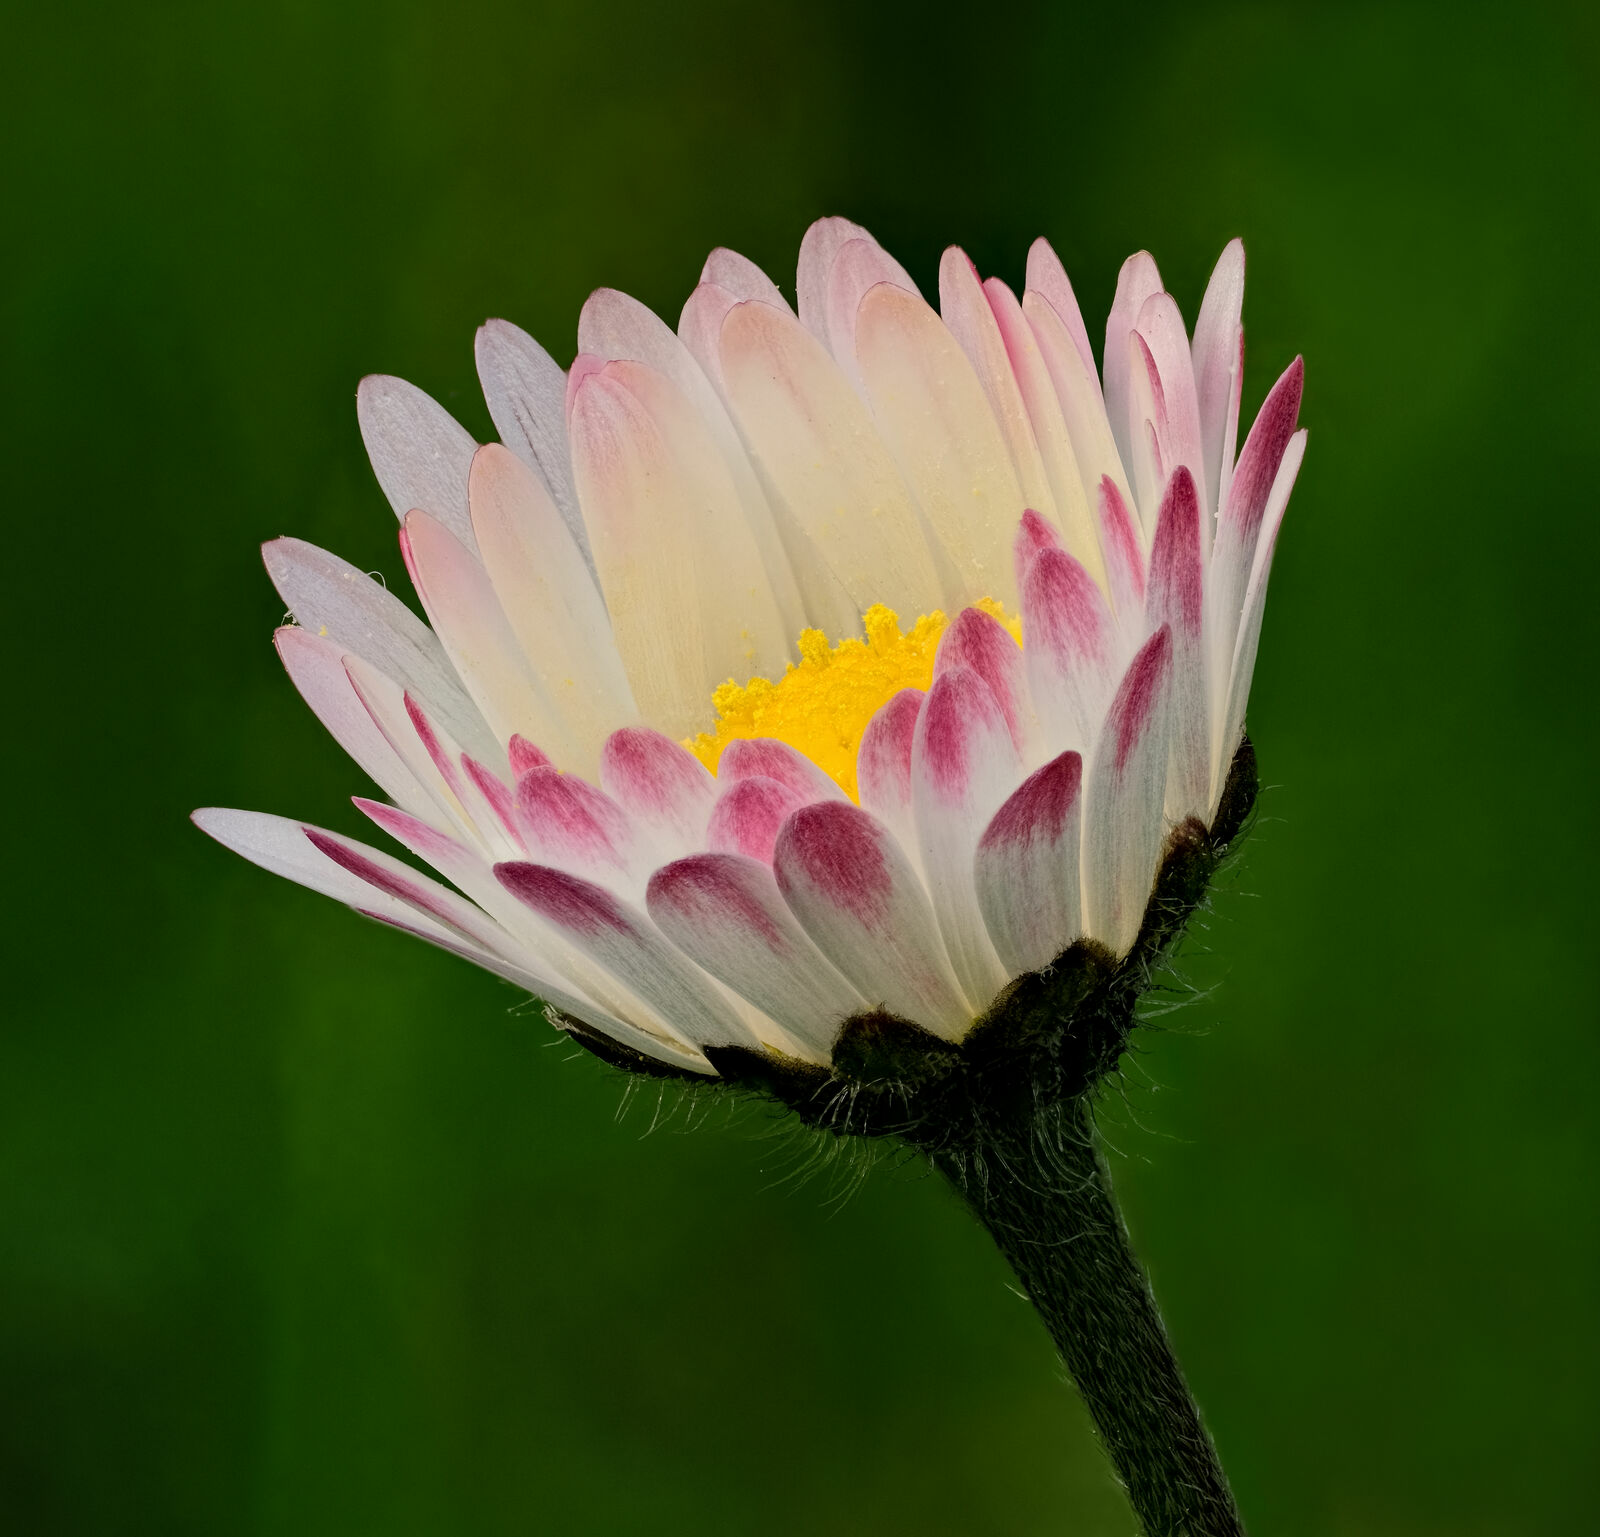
[(316, 667), (330, 598), (419, 452), (725, 913), (818, 248), (855, 893), (615, 326), (883, 766), (963, 766), (1026, 868), (684, 581), (1166, 351), (460, 600), (1047, 277), (1219, 369), (827, 468), (741, 277), (858, 266), (1123, 822), (550, 600), (965, 310), (1137, 280), (526, 391), (933, 415)]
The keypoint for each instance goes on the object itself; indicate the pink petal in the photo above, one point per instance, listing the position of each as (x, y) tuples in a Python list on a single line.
[(568, 823), (1124, 560), (726, 914), (1047, 277), (660, 784), (1175, 600), (883, 764), (1166, 351), (1136, 282), (1026, 868), (1124, 825), (741, 277), (746, 758), (963, 766), (980, 642), (855, 893), (748, 816), (623, 942), (1069, 650)]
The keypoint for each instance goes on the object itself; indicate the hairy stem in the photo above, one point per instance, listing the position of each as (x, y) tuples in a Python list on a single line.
[(1045, 1198)]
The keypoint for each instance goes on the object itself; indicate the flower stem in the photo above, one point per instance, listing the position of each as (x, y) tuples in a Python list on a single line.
[(1045, 1197)]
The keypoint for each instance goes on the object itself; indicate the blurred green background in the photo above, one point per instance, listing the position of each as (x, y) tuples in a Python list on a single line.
[(304, 1228)]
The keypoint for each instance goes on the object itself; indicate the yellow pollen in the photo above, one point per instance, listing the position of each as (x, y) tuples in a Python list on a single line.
[(822, 704)]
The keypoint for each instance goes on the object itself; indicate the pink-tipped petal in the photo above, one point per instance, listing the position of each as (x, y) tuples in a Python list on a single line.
[(1243, 665), (568, 823), (1239, 528), (963, 766), (932, 413), (748, 816), (622, 941), (419, 452), (825, 464), (1125, 565), (725, 913), (979, 641), (1175, 599), (1166, 352), (750, 757), (1026, 868), (1124, 825), (1136, 282), (1033, 535), (1069, 650), (330, 598), (1219, 369), (883, 765), (855, 893), (525, 389), (700, 330), (662, 786), (964, 308)]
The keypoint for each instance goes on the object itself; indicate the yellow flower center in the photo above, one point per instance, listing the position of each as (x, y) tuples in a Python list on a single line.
[(822, 704)]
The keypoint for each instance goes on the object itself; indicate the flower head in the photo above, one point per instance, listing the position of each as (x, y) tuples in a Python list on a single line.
[(842, 666)]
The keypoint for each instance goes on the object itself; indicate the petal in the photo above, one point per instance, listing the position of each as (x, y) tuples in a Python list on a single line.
[(827, 469), (622, 941), (964, 308), (1219, 369), (883, 765), (1125, 566), (963, 765), (330, 598), (726, 914), (1069, 651), (1166, 352), (855, 893), (933, 416), (1243, 665), (316, 667), (615, 326), (466, 614), (741, 277), (979, 641), (748, 816), (1033, 536), (684, 582), (1056, 449), (858, 266), (549, 598), (748, 757), (1239, 528), (1136, 282), (818, 248), (700, 329), (1026, 868), (1124, 825), (661, 785), (568, 823), (526, 389), (1047, 277), (419, 452), (1175, 600)]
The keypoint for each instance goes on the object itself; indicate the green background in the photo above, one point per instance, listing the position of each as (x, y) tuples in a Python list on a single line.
[(305, 1228)]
